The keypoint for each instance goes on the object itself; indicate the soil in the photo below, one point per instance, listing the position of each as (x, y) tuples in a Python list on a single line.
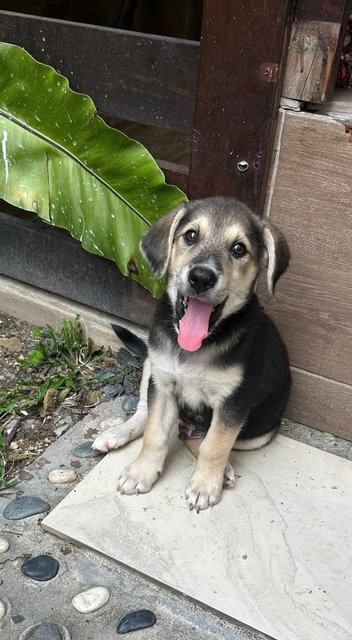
[(29, 435)]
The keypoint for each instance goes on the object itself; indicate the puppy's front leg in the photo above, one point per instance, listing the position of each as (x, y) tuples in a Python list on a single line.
[(205, 487), (139, 476)]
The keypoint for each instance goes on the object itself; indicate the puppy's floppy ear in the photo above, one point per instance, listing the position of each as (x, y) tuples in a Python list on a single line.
[(277, 253), (156, 244)]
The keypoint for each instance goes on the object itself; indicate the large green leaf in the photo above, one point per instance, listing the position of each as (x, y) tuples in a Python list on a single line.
[(59, 159)]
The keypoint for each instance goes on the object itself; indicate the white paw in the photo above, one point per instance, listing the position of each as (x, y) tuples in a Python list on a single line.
[(229, 477), (113, 438), (201, 494), (138, 477)]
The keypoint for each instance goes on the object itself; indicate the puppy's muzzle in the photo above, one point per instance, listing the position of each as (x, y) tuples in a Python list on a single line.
[(202, 279)]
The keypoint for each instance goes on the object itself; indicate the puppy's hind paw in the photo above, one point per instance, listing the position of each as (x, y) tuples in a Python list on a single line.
[(113, 438), (229, 477)]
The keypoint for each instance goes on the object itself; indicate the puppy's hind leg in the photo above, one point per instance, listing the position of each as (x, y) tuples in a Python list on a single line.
[(120, 433)]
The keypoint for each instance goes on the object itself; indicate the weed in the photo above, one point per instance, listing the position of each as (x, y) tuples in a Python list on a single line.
[(61, 360)]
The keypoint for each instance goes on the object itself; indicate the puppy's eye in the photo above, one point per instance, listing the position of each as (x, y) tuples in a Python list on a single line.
[(238, 250), (191, 236)]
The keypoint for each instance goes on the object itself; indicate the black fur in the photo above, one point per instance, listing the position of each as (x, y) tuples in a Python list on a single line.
[(251, 340), (131, 341)]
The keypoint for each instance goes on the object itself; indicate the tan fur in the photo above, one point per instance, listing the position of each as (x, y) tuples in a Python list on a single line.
[(139, 476), (197, 380), (205, 486)]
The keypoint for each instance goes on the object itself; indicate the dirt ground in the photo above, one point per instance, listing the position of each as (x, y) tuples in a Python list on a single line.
[(30, 433)]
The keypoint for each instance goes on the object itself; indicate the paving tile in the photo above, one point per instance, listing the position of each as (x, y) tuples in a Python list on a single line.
[(274, 554)]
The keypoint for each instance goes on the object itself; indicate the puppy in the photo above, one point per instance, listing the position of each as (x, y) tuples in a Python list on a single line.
[(216, 363)]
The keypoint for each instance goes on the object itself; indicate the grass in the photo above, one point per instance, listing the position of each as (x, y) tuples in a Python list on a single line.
[(62, 361)]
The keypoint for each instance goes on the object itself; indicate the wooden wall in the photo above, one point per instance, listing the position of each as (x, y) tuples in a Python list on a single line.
[(310, 199)]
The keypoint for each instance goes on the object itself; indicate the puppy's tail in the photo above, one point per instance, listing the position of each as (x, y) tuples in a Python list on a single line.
[(131, 341)]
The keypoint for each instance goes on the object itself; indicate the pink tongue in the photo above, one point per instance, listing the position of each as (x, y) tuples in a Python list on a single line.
[(194, 325)]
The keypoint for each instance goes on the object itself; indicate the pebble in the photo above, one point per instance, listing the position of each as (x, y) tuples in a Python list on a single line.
[(136, 620), (93, 398), (109, 375), (91, 600), (2, 610), (62, 476), (48, 631), (124, 357), (25, 506), (84, 450), (11, 344), (129, 404), (4, 545), (110, 391), (40, 568)]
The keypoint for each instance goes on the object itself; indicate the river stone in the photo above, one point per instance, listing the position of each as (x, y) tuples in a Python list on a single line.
[(4, 545), (2, 610), (25, 506), (110, 391), (125, 358), (136, 620), (48, 631), (40, 568), (129, 404), (84, 450), (62, 476), (91, 600)]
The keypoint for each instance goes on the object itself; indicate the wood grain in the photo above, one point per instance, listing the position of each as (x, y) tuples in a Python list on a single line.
[(321, 403), (309, 198), (311, 201), (314, 51), (132, 76), (239, 86)]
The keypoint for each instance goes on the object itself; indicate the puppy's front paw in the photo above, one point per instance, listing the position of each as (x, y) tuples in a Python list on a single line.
[(113, 438), (138, 477), (203, 493)]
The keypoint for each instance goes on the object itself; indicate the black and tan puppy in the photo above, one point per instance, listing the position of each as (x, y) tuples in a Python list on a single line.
[(216, 364)]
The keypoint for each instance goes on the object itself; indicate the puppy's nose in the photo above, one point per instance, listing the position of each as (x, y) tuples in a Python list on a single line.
[(202, 279)]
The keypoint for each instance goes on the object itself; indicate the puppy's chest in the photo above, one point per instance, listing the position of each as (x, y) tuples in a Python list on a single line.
[(195, 382)]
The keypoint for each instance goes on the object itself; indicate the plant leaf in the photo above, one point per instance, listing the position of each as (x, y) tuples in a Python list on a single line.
[(59, 159)]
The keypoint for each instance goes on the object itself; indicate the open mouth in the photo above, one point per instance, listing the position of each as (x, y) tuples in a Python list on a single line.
[(195, 321)]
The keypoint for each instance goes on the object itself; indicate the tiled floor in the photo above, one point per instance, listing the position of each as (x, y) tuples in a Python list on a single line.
[(275, 553)]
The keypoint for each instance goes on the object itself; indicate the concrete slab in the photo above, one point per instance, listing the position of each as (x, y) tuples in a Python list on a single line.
[(38, 307), (27, 603), (274, 554)]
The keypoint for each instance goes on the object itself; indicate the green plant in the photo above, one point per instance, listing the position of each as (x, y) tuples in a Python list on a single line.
[(60, 160), (4, 452), (61, 361)]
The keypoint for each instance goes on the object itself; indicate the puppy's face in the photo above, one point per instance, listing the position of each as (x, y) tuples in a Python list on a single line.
[(213, 251)]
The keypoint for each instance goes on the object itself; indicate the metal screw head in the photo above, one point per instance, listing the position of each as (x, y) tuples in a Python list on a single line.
[(242, 165)]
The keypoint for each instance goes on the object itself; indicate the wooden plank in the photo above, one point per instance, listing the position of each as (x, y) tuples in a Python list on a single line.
[(52, 260), (311, 201), (340, 106), (321, 403), (133, 76), (314, 51), (176, 174), (241, 64)]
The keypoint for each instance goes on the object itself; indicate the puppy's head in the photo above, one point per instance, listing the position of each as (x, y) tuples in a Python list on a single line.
[(213, 251)]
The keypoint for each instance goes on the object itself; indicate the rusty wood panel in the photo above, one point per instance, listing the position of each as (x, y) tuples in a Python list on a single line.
[(321, 403), (312, 204), (52, 260), (145, 78), (315, 46), (242, 59)]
